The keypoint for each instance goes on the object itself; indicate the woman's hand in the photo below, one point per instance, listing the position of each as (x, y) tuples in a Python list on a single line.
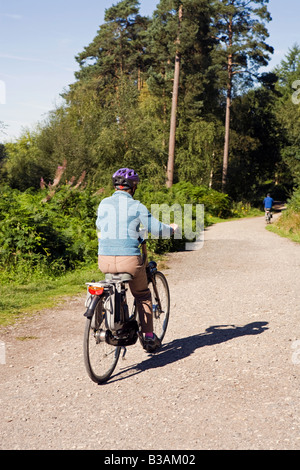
[(174, 227)]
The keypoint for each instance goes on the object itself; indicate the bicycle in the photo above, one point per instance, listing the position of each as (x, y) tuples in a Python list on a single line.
[(268, 216), (110, 326)]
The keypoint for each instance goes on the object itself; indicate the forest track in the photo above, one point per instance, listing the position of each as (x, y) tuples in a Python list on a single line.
[(227, 377)]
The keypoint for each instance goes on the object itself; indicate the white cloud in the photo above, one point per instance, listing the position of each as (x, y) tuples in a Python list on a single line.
[(26, 59), (32, 59), (12, 16)]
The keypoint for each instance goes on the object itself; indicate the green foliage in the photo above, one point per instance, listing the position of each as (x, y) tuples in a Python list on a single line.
[(255, 159), (23, 164), (180, 194), (49, 237), (117, 112), (288, 111), (245, 39), (52, 231), (215, 203), (288, 225)]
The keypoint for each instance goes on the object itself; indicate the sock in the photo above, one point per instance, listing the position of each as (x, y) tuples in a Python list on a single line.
[(148, 335)]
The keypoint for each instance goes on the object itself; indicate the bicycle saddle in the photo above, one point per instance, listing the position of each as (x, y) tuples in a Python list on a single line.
[(122, 277)]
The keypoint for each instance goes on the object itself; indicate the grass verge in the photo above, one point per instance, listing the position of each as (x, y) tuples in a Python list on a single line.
[(17, 300), (290, 234), (288, 225)]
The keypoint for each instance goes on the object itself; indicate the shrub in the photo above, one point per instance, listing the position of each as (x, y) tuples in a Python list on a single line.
[(289, 222), (53, 236), (215, 204), (52, 231)]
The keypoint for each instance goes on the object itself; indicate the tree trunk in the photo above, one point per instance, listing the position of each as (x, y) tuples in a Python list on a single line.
[(226, 142), (228, 105), (211, 174), (170, 169)]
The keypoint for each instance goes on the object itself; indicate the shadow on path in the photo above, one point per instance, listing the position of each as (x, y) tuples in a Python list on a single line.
[(183, 347)]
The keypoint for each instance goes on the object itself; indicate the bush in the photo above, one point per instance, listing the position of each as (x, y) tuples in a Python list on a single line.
[(294, 202), (49, 236), (215, 204), (52, 231), (289, 222)]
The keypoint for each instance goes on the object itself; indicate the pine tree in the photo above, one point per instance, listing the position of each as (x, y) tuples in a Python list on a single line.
[(170, 167), (288, 110), (180, 40), (241, 33), (118, 48)]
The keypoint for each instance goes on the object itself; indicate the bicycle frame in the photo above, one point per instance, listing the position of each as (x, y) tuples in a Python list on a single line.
[(110, 327), (122, 329), (268, 215), (150, 269)]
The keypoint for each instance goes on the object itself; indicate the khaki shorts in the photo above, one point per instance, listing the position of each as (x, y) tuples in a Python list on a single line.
[(138, 286)]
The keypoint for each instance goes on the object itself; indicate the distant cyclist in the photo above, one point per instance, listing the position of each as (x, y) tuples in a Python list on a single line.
[(268, 202), (119, 218)]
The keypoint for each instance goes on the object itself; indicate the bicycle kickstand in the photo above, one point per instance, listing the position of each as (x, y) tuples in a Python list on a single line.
[(124, 352)]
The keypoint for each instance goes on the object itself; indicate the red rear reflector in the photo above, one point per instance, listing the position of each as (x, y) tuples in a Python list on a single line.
[(96, 290)]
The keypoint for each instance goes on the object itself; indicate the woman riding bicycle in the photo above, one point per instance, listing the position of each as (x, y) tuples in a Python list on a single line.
[(118, 220)]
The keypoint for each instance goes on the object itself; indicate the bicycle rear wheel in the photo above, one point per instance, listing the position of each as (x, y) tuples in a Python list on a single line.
[(100, 358), (159, 288)]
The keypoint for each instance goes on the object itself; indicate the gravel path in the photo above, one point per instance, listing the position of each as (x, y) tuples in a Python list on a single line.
[(227, 377)]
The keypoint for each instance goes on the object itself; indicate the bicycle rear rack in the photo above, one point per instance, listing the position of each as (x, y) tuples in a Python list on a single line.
[(121, 331)]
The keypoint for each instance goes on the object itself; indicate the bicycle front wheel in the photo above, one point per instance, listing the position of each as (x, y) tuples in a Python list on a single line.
[(100, 358), (159, 288)]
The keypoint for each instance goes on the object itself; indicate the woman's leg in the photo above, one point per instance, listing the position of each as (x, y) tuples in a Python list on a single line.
[(138, 286)]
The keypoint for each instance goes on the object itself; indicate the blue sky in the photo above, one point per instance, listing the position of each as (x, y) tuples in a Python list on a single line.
[(40, 39)]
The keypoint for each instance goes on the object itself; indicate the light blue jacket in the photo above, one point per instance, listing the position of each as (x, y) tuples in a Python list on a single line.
[(118, 220)]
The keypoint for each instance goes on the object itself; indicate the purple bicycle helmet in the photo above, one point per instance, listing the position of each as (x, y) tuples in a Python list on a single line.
[(125, 178)]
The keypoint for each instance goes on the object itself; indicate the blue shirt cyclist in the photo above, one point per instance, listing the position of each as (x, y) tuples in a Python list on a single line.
[(268, 202)]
